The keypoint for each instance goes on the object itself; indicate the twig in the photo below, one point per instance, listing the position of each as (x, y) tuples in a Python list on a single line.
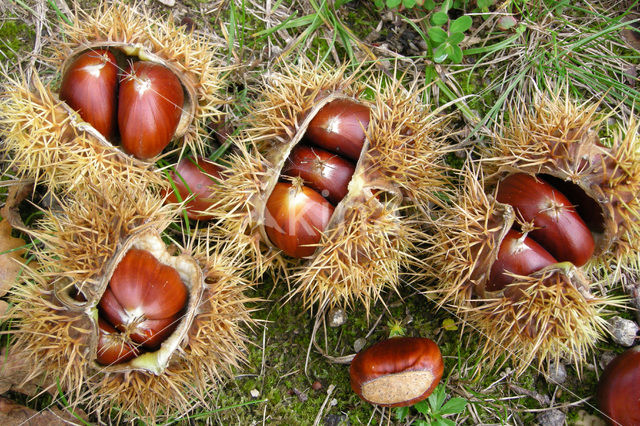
[(324, 404)]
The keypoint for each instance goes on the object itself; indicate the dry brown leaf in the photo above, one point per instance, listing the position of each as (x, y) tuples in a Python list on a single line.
[(11, 261), (12, 413), (18, 192), (13, 373)]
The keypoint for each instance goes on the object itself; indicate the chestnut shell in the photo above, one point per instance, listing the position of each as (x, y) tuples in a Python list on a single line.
[(397, 372)]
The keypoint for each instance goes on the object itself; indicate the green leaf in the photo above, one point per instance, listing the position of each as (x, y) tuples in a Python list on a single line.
[(446, 5), (455, 38), (422, 407), (421, 422), (409, 4), (439, 18), (443, 422), (402, 413), (484, 4), (378, 3), (461, 24), (455, 54), (440, 54), (437, 34), (391, 4), (453, 406), (429, 4), (429, 74)]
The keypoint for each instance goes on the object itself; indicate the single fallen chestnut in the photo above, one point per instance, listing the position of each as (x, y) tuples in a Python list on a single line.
[(374, 164), (618, 392), (548, 208), (397, 372), (194, 179)]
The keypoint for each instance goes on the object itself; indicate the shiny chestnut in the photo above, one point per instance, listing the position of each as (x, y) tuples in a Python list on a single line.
[(144, 298), (195, 179), (619, 389), (518, 254), (90, 86), (327, 173), (112, 346), (397, 372), (340, 127), (149, 108), (558, 227), (295, 217)]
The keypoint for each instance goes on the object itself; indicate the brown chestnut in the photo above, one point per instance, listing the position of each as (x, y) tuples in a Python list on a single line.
[(90, 86), (149, 108), (519, 255), (295, 218), (340, 127), (558, 228), (323, 171), (195, 178), (144, 298), (397, 372), (112, 346), (619, 389)]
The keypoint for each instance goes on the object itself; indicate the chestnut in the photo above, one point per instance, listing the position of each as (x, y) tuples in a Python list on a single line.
[(147, 332), (195, 178), (518, 254), (397, 372), (144, 298), (149, 108), (90, 86), (619, 389), (558, 227), (323, 171), (112, 346), (340, 127), (296, 216)]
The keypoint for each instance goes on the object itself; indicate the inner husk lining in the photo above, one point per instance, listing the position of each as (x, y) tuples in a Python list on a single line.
[(399, 387)]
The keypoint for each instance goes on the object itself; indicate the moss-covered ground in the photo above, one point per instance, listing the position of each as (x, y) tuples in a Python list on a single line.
[(286, 379)]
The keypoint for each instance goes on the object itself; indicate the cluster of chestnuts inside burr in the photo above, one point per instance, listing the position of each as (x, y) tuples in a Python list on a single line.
[(316, 177), (136, 103), (553, 217), (140, 308)]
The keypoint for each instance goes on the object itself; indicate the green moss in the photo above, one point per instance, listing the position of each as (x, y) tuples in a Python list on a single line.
[(16, 38)]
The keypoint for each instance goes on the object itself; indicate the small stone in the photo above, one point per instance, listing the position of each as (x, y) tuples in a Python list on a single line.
[(169, 3), (336, 420), (586, 419), (606, 358), (316, 385), (623, 331), (337, 317), (255, 393), (557, 373), (359, 344), (301, 395), (551, 418)]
